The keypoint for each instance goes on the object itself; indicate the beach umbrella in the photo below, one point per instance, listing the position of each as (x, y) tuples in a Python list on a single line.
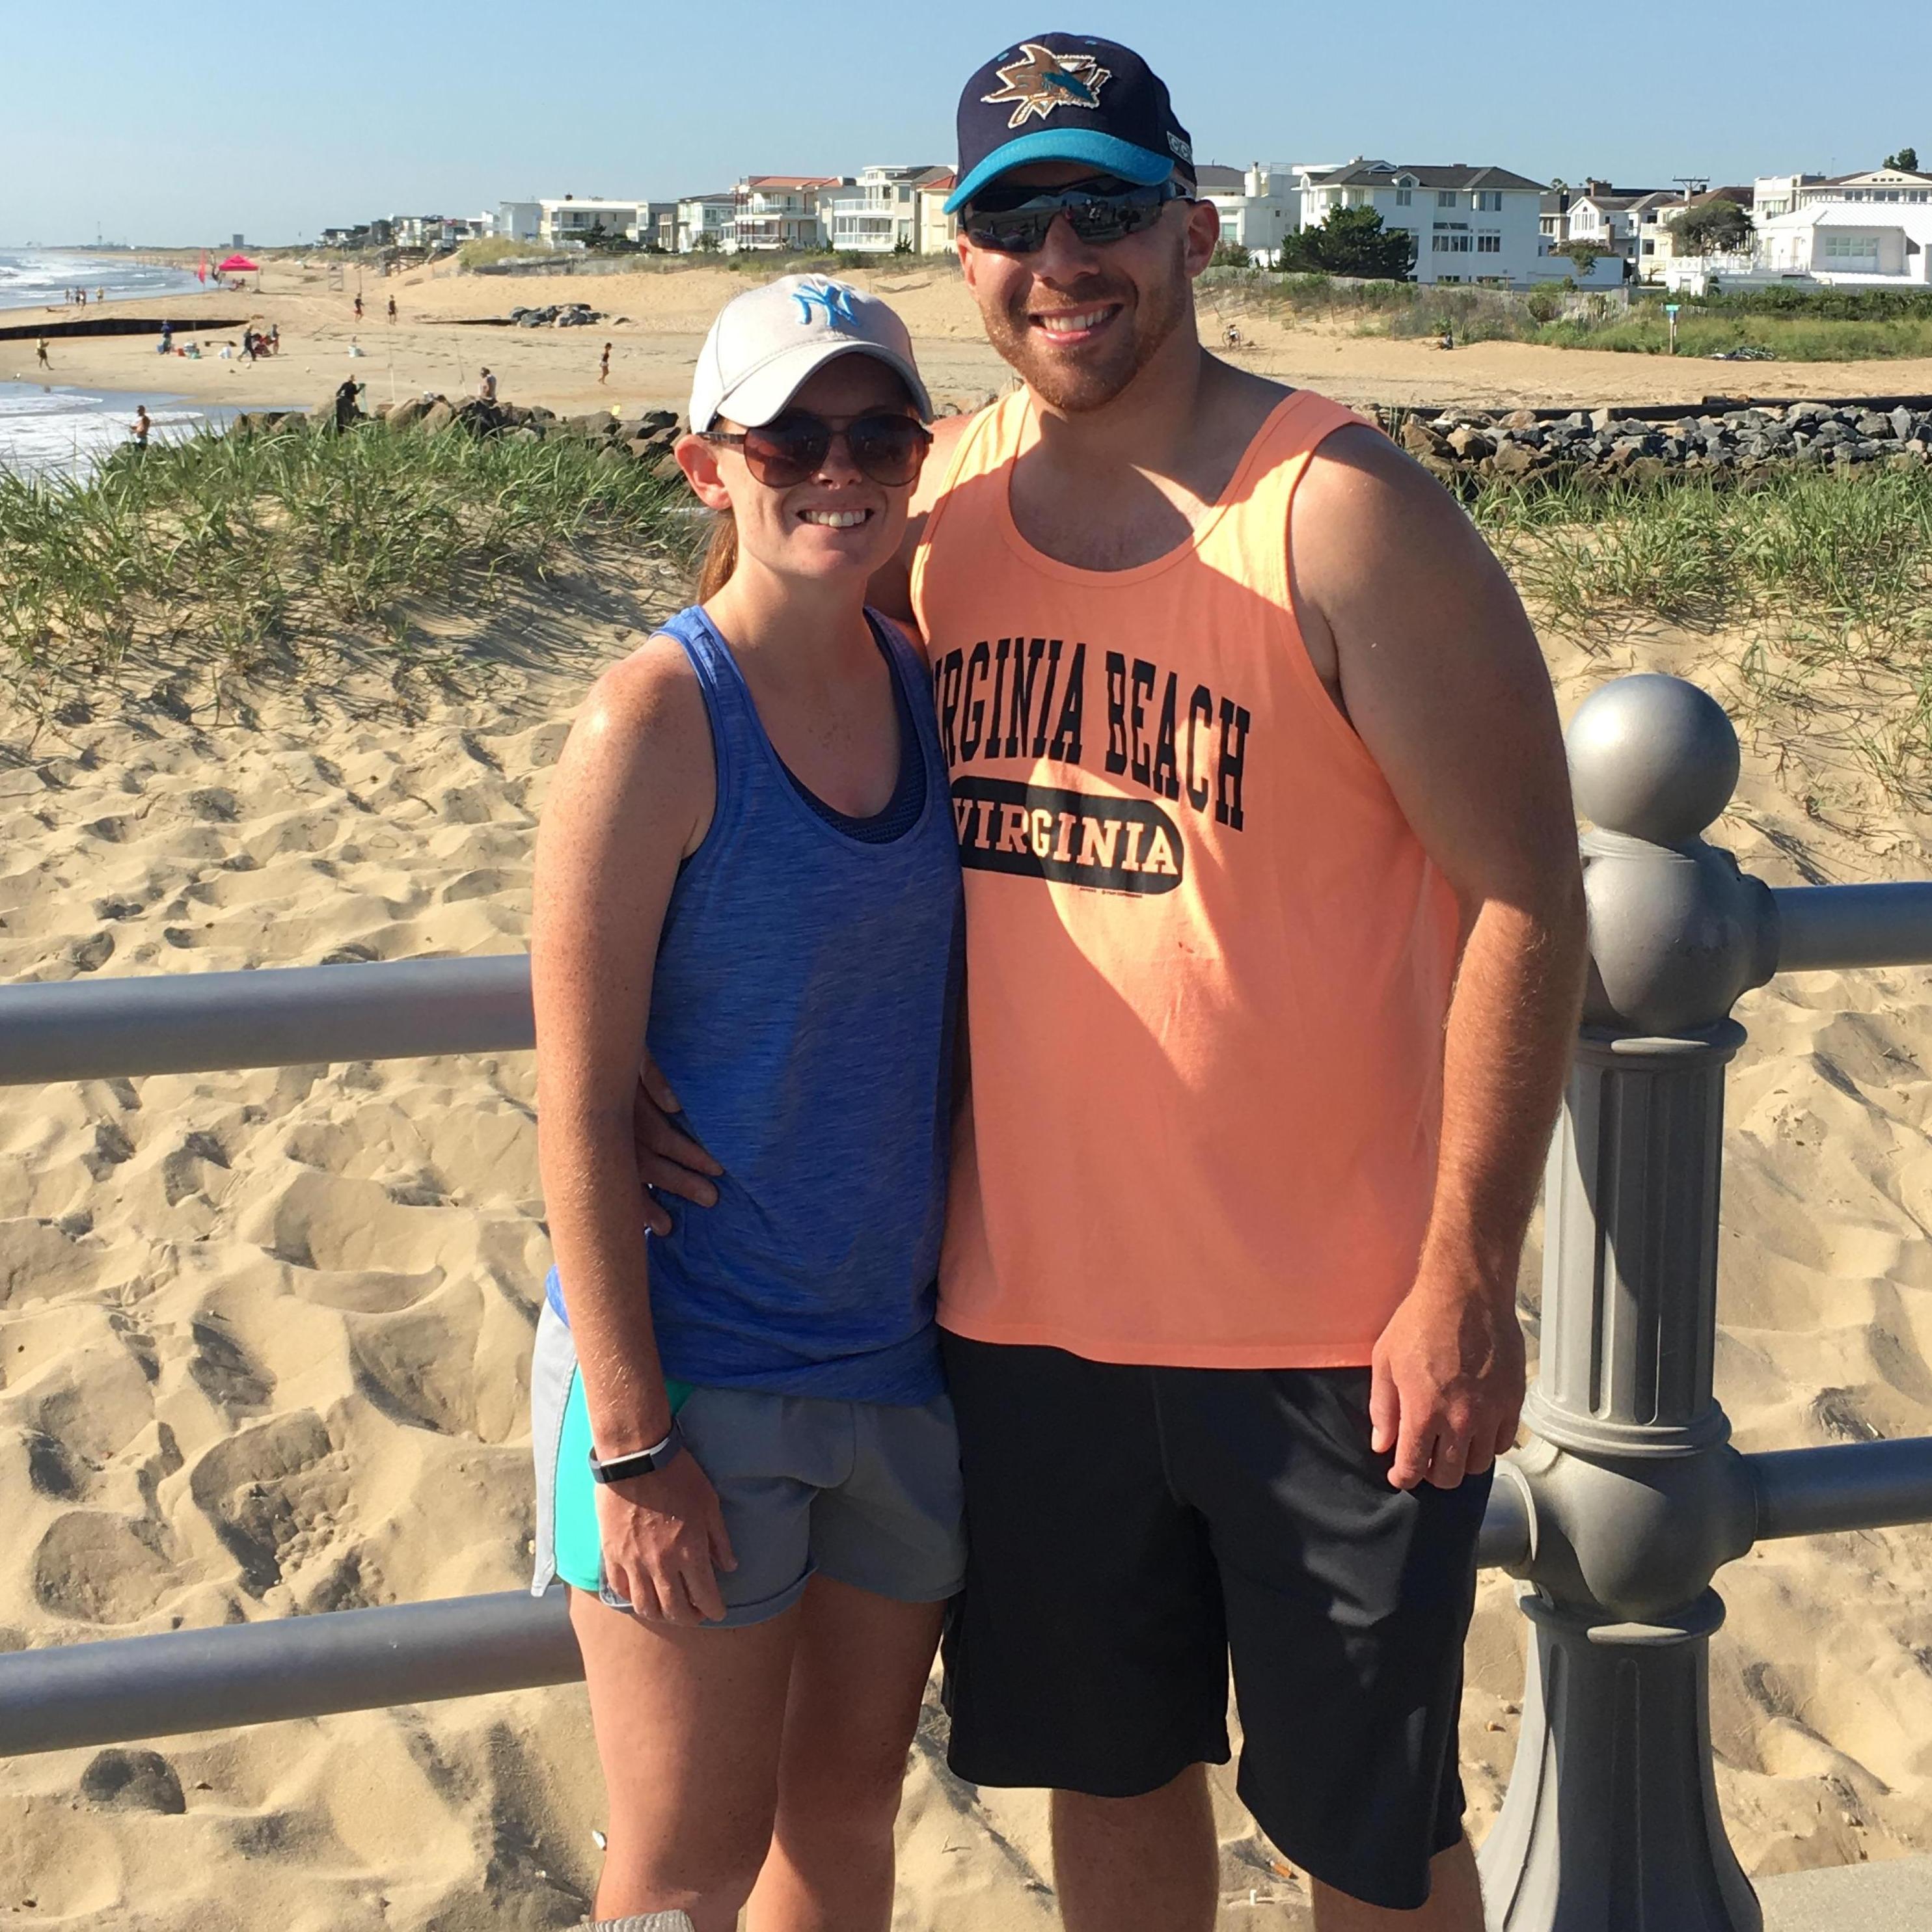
[(237, 265)]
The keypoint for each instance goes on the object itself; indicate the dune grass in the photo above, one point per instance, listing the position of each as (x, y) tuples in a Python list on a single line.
[(1828, 580), (1795, 326), (255, 550)]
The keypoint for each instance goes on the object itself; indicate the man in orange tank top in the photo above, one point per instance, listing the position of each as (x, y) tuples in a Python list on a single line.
[(1275, 954), (1275, 951)]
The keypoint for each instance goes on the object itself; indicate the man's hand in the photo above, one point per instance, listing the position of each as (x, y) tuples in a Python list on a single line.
[(1448, 1383), (672, 1163), (664, 1542)]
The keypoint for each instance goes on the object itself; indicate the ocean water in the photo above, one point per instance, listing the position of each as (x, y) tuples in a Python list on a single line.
[(33, 278), (46, 431)]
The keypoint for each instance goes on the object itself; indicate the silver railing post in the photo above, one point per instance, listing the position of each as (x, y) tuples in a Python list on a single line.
[(1611, 1821)]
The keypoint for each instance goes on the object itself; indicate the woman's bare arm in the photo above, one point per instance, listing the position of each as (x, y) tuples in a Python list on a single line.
[(632, 797)]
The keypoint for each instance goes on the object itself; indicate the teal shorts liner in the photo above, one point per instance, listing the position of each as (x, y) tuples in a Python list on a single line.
[(864, 1492)]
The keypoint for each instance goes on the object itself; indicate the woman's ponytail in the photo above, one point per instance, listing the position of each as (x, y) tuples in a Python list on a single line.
[(721, 557)]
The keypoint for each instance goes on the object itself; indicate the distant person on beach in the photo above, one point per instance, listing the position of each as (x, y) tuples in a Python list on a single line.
[(274, 338), (346, 410), (41, 353), (486, 387), (1275, 953), (746, 1467), (604, 364), (358, 305), (392, 308), (138, 428), (166, 345)]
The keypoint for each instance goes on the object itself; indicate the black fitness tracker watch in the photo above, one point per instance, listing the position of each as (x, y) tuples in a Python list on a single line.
[(642, 1462)]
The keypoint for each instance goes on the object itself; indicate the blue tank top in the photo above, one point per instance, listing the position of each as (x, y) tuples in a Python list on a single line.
[(803, 1008)]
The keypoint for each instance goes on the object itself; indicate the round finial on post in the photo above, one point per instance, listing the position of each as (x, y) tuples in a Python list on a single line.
[(1652, 758)]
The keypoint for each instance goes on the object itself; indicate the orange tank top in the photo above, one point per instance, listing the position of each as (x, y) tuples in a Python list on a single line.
[(1208, 962)]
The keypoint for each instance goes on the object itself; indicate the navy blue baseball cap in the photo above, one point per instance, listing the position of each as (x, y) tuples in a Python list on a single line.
[(1068, 97)]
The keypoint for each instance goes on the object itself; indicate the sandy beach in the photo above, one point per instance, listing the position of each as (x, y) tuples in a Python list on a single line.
[(264, 1336), (658, 317)]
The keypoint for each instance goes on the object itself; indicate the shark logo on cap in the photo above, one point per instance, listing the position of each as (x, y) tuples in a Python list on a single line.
[(1042, 80)]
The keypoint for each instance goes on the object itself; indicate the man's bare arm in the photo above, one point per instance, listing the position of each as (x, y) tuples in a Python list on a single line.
[(1439, 672)]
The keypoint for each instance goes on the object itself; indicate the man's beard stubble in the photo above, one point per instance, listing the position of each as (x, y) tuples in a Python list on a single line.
[(1152, 313)]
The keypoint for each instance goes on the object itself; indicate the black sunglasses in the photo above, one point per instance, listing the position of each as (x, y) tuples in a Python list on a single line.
[(887, 448), (1014, 221)]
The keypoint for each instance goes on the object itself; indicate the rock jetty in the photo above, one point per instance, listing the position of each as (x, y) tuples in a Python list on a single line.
[(1722, 441), (640, 436)]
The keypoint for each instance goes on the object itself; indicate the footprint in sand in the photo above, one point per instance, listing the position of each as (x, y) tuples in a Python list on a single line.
[(267, 1491), (97, 1568)]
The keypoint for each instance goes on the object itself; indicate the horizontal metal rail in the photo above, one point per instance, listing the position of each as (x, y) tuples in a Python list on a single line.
[(1822, 927), (1847, 1485), (74, 1694), (71, 1695), (302, 1015), (281, 1016)]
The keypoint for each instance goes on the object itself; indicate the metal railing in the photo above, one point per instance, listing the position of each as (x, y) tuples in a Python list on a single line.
[(1625, 1500)]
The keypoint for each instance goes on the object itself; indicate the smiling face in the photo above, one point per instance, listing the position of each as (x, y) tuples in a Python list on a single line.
[(1079, 320), (838, 520)]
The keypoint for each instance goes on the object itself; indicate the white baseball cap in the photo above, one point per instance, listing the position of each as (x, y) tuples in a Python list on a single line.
[(766, 342)]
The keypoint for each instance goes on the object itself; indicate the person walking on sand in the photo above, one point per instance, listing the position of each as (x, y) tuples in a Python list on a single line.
[(604, 364), (358, 305), (41, 353), (1275, 946), (392, 308), (746, 1467)]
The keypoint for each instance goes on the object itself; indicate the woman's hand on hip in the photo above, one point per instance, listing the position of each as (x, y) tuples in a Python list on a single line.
[(664, 1542)]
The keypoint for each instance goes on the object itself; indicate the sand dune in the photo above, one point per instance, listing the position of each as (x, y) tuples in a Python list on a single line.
[(263, 1336)]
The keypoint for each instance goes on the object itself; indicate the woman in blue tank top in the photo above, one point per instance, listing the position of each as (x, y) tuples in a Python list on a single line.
[(746, 1466)]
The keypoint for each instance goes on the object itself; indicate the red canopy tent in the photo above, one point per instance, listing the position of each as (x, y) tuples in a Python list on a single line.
[(237, 265)]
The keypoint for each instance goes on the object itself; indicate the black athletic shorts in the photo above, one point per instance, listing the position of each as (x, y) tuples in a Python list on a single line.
[(1129, 1530)]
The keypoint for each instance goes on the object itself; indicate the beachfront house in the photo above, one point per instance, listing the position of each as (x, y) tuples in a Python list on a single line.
[(1656, 215), (1868, 230), (1259, 206), (1610, 217), (1480, 224), (701, 222), (936, 229), (878, 213), (777, 211)]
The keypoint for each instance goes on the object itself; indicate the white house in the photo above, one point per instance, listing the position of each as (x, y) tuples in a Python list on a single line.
[(879, 212), (777, 211), (1777, 194), (1846, 243), (565, 220), (1869, 230), (703, 221), (1259, 206), (1611, 217), (1470, 224), (518, 220), (1657, 242)]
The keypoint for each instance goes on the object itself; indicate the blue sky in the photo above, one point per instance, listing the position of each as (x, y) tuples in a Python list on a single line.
[(181, 124)]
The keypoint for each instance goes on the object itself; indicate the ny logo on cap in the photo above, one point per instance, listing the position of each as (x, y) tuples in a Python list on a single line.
[(1042, 80), (835, 298)]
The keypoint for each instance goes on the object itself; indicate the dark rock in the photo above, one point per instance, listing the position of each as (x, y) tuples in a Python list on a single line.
[(1419, 439), (1471, 444), (120, 1780), (409, 412), (437, 417)]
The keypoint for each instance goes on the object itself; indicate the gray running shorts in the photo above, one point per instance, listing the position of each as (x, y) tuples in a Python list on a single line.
[(863, 1493)]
